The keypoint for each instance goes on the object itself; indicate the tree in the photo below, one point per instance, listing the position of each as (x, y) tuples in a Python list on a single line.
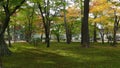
[(46, 19), (8, 12), (66, 25), (99, 10), (85, 28), (56, 30), (29, 24), (71, 16), (116, 10), (47, 16)]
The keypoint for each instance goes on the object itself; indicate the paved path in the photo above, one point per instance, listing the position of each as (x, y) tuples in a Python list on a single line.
[(16, 41)]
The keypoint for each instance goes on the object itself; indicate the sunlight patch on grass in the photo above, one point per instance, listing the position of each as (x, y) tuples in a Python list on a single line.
[(61, 55), (48, 62)]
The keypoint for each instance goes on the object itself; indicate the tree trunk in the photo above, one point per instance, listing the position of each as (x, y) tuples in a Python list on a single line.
[(9, 37), (47, 40), (58, 38), (1, 66), (95, 33), (66, 25), (102, 35), (108, 37), (82, 12), (14, 33), (29, 31), (26, 32), (41, 38), (70, 36), (85, 28), (114, 36), (30, 24), (47, 32), (102, 39), (3, 47), (115, 30)]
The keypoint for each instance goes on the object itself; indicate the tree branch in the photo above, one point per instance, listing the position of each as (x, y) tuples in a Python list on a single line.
[(40, 8), (18, 6)]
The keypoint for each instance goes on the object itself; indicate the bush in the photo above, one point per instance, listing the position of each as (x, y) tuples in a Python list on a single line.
[(35, 41)]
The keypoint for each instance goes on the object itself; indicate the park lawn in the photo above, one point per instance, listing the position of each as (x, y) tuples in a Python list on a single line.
[(62, 55)]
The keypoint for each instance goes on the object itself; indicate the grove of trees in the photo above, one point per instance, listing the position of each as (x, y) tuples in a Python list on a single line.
[(91, 20)]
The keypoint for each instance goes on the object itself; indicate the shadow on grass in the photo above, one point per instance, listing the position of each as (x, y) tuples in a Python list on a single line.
[(38, 59), (61, 56)]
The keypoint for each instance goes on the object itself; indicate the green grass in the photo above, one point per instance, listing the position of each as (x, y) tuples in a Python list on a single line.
[(61, 55)]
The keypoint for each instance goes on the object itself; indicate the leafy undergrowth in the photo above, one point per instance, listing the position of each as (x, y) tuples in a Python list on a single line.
[(62, 55)]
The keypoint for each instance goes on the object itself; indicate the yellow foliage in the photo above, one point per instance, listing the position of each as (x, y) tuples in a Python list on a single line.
[(99, 6), (72, 13), (102, 19)]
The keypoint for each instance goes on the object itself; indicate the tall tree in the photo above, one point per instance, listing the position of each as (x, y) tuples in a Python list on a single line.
[(116, 25), (116, 10), (100, 16), (10, 7), (29, 24), (45, 13), (71, 16), (68, 38), (45, 8), (85, 28)]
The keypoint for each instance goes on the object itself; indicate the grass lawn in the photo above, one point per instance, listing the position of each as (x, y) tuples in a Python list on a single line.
[(61, 55)]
